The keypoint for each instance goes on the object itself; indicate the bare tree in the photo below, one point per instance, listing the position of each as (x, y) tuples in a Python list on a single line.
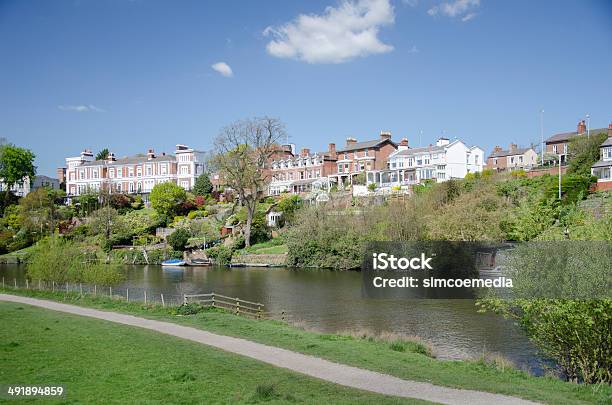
[(242, 152)]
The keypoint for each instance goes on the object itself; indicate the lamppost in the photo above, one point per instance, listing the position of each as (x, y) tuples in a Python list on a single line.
[(560, 154), (588, 117), (542, 136)]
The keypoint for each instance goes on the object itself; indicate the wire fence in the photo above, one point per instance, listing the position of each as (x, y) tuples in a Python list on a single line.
[(149, 296)]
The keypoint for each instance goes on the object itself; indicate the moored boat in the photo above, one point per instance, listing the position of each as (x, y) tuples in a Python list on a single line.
[(173, 262)]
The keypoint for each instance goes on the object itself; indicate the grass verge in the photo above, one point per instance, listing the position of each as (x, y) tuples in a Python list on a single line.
[(407, 359), (101, 362)]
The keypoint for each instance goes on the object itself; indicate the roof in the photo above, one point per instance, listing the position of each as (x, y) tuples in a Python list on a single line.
[(364, 145), (130, 160), (502, 153), (603, 163), (414, 151), (607, 142), (565, 136)]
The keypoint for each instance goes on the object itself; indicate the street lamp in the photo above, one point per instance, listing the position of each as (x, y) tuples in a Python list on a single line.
[(560, 154), (542, 136), (588, 117)]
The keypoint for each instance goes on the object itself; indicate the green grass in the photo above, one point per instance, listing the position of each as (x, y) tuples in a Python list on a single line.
[(404, 359), (274, 246), (101, 362), (16, 256)]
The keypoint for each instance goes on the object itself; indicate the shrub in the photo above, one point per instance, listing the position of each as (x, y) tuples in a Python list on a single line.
[(166, 198), (202, 185), (221, 254), (372, 187), (178, 239), (190, 308)]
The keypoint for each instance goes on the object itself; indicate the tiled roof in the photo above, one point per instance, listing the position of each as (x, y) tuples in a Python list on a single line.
[(414, 151), (565, 136), (502, 153), (364, 145)]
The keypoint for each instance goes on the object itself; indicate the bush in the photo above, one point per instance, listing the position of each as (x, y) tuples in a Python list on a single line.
[(190, 308), (167, 198), (372, 187), (221, 254), (202, 185), (178, 239)]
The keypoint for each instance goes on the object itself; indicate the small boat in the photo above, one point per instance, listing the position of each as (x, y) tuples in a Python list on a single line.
[(173, 262), (201, 262)]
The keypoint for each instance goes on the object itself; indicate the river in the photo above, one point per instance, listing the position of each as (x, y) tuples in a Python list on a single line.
[(331, 301)]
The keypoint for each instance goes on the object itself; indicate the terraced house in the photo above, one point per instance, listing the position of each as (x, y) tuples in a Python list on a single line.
[(133, 175), (303, 172), (440, 162), (603, 168), (514, 158), (359, 157), (558, 144)]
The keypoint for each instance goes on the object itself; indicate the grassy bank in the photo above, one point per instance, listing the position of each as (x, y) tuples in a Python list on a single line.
[(402, 358), (101, 362)]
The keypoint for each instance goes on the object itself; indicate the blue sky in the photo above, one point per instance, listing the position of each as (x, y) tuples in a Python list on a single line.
[(129, 75)]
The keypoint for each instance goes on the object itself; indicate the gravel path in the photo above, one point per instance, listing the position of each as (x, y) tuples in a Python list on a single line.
[(312, 366)]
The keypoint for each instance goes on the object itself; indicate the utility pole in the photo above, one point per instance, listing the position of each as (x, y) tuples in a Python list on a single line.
[(559, 177), (542, 136)]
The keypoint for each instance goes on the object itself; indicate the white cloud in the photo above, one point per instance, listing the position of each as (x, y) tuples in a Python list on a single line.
[(223, 68), (411, 3), (80, 108), (456, 8), (340, 34)]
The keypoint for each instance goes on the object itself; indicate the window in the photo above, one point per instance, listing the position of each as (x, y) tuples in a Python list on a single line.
[(131, 187), (139, 171), (95, 174), (149, 170), (520, 159), (345, 156), (164, 169), (555, 149), (365, 153), (495, 161), (340, 168), (131, 172), (111, 172), (476, 159), (82, 174), (120, 172), (565, 148), (512, 159), (607, 153), (184, 170), (119, 187)]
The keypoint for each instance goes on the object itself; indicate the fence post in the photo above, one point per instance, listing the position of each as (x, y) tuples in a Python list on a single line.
[(39, 284), (27, 284), (66, 286), (163, 303), (127, 294), (258, 311), (283, 315), (237, 306), (15, 283), (81, 289), (95, 289), (145, 294), (213, 300), (110, 292), (53, 286), (2, 282), (184, 299)]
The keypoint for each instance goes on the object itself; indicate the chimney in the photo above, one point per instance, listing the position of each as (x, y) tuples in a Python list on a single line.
[(610, 130), (305, 152), (331, 148), (111, 157), (150, 154), (385, 135), (497, 148), (350, 141), (513, 147), (581, 129), (403, 145), (163, 153)]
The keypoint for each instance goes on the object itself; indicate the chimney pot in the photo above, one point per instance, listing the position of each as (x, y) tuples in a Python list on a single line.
[(305, 152), (385, 135), (350, 141)]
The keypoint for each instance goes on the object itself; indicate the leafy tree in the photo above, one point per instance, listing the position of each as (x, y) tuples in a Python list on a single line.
[(167, 197), (242, 150), (39, 212), (288, 205), (584, 152), (103, 154), (202, 186), (178, 239), (16, 164)]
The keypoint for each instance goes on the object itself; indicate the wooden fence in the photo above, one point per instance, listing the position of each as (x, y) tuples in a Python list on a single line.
[(236, 305)]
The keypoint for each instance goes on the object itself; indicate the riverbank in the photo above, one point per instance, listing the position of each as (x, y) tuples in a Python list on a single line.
[(101, 362), (405, 361)]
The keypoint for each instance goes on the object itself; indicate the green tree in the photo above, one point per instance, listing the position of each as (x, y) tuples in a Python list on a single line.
[(242, 150), (288, 205), (16, 164), (202, 185), (166, 197), (103, 154), (583, 152), (178, 239), (39, 212)]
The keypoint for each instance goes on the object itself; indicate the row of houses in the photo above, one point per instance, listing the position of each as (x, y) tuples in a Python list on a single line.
[(381, 161)]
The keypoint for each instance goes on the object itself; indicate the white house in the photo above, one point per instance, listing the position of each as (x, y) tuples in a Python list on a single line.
[(440, 162), (603, 168)]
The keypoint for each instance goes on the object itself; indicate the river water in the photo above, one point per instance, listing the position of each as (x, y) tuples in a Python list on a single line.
[(332, 301)]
